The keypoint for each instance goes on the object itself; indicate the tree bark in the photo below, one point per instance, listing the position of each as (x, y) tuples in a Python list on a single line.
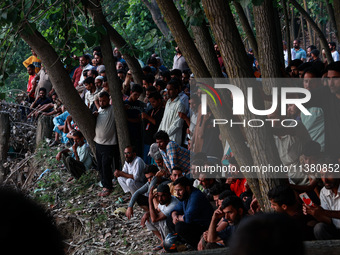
[(269, 59), (4, 140), (315, 27), (332, 21), (61, 82), (204, 42), (310, 33), (261, 141), (336, 5), (246, 27), (44, 128), (113, 80), (158, 19), (285, 13)]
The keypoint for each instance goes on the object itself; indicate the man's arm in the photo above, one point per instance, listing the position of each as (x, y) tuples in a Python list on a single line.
[(171, 152), (58, 157), (178, 123), (140, 191), (212, 236), (154, 214)]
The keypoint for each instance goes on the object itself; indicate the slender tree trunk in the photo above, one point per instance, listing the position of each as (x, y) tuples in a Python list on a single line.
[(204, 41), (61, 82), (266, 34), (113, 80), (293, 33), (262, 147), (336, 5), (310, 33), (321, 36), (332, 22), (279, 37), (302, 29), (158, 19), (246, 27), (285, 13)]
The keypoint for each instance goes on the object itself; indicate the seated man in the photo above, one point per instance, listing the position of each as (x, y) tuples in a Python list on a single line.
[(59, 125), (173, 154), (131, 177), (233, 211), (39, 102), (81, 159), (140, 196), (155, 219), (329, 212), (192, 215), (283, 200)]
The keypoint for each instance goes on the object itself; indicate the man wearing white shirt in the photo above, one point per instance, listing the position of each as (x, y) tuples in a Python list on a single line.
[(335, 53), (106, 142), (171, 123), (131, 178)]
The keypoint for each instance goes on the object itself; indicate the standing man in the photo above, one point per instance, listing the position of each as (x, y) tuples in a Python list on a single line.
[(106, 142), (179, 61), (335, 53), (33, 60), (297, 52), (31, 85), (44, 82), (83, 61), (171, 123)]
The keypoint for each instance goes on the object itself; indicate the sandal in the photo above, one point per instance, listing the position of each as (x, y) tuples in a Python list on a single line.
[(105, 192)]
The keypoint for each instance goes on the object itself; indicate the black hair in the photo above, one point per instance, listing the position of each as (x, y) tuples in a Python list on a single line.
[(282, 194), (97, 48), (226, 193), (160, 83), (161, 135), (267, 234), (104, 94), (312, 70), (99, 54), (137, 88), (31, 66), (151, 89), (147, 69), (149, 78), (183, 181), (155, 95), (132, 147), (20, 213), (176, 72), (174, 83), (303, 66), (79, 134), (152, 61), (87, 57), (164, 188), (89, 80), (177, 168), (166, 74), (94, 72), (333, 44), (312, 47), (334, 66), (296, 62), (43, 89), (151, 169), (121, 70), (217, 189), (233, 201)]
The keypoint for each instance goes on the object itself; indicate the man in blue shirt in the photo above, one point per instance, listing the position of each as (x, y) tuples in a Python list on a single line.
[(297, 52), (192, 215)]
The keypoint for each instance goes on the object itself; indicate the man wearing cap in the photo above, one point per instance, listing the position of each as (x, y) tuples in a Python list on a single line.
[(155, 219)]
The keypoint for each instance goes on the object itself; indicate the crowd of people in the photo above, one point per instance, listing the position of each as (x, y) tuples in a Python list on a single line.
[(166, 130)]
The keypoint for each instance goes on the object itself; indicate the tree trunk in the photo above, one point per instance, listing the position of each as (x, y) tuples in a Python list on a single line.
[(44, 128), (315, 27), (332, 21), (204, 41), (302, 32), (279, 37), (158, 19), (269, 59), (285, 13), (310, 33), (4, 140), (246, 27), (261, 141), (336, 5), (113, 80), (61, 82)]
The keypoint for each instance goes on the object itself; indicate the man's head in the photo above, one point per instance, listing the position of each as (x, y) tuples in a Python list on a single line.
[(282, 198), (315, 54), (328, 176), (33, 52), (78, 138), (182, 188), (150, 90), (173, 89), (99, 58), (215, 191), (178, 51), (130, 153), (148, 80), (309, 49), (31, 69), (206, 182), (42, 92), (104, 99), (294, 71), (155, 100), (162, 139), (150, 171), (163, 194), (284, 45), (310, 80), (333, 74), (165, 76), (332, 46), (224, 195), (233, 209), (98, 82), (159, 85), (119, 65), (176, 173), (89, 83), (121, 73), (296, 44), (311, 152), (136, 91), (83, 60)]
